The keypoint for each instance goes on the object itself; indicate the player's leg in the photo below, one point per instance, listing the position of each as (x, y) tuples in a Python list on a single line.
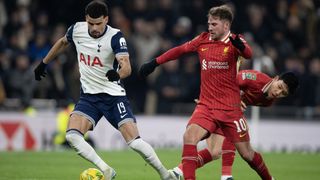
[(254, 159), (122, 118), (192, 136), (228, 154), (77, 127), (200, 126), (237, 131), (130, 133), (211, 152)]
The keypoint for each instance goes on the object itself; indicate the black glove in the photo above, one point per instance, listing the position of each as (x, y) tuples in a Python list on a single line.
[(40, 71), (113, 75), (148, 67), (236, 42)]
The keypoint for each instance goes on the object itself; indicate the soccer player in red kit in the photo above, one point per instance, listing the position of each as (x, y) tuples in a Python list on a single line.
[(257, 89), (219, 104)]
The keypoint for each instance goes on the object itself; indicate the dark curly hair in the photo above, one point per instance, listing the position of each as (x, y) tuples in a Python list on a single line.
[(96, 8)]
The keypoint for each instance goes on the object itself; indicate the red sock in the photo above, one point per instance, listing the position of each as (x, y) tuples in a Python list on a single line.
[(260, 167), (227, 162), (204, 156), (228, 153), (189, 161)]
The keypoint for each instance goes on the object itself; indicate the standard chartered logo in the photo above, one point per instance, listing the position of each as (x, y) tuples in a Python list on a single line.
[(204, 64), (214, 65)]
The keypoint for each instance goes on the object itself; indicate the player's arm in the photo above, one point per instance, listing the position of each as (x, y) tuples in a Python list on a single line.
[(58, 47), (172, 54), (125, 69), (120, 49), (242, 45)]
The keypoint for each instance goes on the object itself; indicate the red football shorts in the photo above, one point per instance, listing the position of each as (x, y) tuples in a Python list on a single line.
[(231, 124)]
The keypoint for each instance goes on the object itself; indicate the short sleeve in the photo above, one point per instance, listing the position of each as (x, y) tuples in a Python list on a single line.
[(119, 44), (69, 34)]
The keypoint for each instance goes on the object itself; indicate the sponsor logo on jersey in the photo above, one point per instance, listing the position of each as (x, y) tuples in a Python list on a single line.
[(123, 43), (204, 64), (89, 60), (249, 75), (214, 65)]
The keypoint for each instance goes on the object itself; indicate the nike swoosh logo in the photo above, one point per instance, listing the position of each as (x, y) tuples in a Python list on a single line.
[(122, 116), (242, 135), (204, 49)]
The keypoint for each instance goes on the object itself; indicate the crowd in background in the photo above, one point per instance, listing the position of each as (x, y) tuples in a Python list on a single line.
[(284, 34)]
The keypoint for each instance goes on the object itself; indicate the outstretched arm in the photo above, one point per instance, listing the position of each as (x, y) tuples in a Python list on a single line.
[(59, 46), (172, 54)]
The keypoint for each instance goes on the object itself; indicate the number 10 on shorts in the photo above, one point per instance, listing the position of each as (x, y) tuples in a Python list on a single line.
[(241, 125)]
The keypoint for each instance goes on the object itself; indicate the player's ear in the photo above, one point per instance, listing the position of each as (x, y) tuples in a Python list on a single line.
[(106, 19), (227, 25)]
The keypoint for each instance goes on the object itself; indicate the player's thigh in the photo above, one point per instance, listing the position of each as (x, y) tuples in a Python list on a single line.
[(194, 134), (129, 131), (80, 123)]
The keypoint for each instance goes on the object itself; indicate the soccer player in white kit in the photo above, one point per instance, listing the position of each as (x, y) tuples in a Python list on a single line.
[(103, 60)]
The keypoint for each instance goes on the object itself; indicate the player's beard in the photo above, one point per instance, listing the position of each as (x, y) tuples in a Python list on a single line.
[(95, 34)]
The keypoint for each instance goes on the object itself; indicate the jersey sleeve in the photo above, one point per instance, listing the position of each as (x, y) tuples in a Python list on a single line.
[(247, 52), (241, 79), (70, 33), (247, 78), (119, 44), (176, 52)]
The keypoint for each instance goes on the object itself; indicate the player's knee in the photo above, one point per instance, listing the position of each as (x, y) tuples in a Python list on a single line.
[(73, 138), (216, 154), (188, 138), (247, 155)]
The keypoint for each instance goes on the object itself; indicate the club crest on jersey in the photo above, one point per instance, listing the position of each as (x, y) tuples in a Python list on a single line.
[(250, 76), (225, 51), (89, 60)]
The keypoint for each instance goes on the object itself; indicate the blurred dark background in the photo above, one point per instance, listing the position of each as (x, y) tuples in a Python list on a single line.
[(284, 35)]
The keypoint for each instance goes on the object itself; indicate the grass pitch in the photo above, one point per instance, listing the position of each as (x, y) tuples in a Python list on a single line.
[(66, 165)]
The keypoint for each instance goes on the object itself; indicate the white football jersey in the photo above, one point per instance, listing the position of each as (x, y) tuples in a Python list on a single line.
[(96, 56)]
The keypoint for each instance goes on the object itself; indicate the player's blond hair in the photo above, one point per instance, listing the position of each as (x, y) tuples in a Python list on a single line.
[(223, 12)]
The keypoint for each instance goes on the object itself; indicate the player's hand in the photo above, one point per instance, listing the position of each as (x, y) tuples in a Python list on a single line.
[(243, 106), (237, 42), (148, 67), (40, 71), (113, 75)]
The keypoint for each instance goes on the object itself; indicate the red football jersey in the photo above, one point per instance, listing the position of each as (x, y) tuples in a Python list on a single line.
[(219, 86), (253, 85)]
